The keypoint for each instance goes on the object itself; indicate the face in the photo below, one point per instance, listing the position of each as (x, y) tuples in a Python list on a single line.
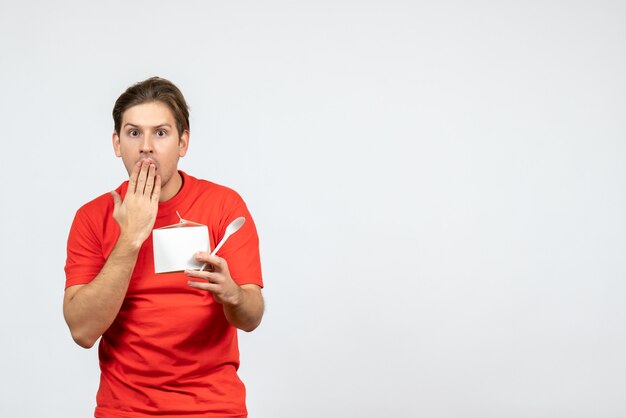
[(148, 132)]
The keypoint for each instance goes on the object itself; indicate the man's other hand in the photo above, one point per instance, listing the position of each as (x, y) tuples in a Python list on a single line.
[(218, 280)]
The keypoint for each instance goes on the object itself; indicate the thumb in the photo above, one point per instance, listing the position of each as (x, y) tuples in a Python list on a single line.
[(117, 200)]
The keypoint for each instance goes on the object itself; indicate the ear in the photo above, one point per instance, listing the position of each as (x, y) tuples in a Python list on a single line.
[(183, 143), (116, 144)]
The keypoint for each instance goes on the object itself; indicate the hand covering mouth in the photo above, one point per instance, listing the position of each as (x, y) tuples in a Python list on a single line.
[(151, 161)]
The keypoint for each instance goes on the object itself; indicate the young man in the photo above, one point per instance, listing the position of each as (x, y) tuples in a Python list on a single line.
[(169, 341)]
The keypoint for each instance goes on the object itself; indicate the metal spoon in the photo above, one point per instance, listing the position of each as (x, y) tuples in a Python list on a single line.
[(230, 229)]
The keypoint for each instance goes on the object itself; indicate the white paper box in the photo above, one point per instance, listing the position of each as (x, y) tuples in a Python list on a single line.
[(174, 246)]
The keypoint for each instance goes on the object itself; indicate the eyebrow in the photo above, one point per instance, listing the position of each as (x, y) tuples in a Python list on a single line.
[(132, 125)]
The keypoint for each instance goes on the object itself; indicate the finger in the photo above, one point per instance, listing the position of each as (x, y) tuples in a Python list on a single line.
[(143, 174), (150, 180), (216, 262), (204, 286), (132, 182), (204, 275), (156, 192), (206, 267)]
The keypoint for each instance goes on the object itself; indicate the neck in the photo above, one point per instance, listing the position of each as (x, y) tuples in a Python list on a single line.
[(173, 186)]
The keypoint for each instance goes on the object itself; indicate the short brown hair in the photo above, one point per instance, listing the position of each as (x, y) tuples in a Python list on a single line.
[(154, 89)]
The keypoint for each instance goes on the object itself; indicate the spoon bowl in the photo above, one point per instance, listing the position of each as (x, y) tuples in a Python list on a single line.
[(230, 229)]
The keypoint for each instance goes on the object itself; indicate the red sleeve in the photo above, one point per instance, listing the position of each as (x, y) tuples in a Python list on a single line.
[(241, 251), (84, 251)]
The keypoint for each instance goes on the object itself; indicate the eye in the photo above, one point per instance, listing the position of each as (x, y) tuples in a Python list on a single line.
[(161, 132), (133, 133)]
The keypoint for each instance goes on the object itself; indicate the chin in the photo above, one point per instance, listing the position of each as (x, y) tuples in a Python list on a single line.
[(165, 178)]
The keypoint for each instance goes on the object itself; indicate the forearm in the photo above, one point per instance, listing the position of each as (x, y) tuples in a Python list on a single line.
[(247, 313), (92, 308)]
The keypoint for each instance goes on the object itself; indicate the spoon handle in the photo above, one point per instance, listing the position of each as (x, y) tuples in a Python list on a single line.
[(219, 245)]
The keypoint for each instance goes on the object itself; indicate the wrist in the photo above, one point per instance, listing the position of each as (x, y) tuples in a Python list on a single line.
[(129, 243), (237, 298)]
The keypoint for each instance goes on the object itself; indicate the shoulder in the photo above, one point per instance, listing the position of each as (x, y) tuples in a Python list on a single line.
[(100, 207), (98, 203), (212, 190)]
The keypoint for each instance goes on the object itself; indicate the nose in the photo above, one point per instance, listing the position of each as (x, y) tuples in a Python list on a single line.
[(146, 145)]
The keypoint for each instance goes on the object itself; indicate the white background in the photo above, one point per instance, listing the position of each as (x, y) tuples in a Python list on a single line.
[(439, 188)]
